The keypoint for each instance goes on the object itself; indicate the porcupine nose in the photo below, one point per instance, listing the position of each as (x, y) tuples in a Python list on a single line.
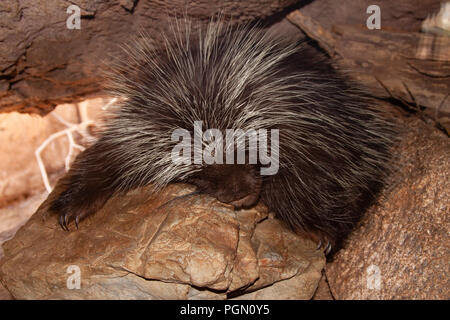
[(238, 185), (246, 202), (241, 188)]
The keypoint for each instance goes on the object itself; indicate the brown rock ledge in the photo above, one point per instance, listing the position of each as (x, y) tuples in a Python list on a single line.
[(190, 248)]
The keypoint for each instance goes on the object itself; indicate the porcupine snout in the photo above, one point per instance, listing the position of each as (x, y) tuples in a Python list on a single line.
[(235, 184)]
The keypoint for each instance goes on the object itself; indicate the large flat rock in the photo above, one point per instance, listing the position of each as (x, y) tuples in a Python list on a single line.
[(135, 248)]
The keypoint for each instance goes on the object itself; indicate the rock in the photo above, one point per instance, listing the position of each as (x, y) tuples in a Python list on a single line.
[(43, 62), (138, 248), (400, 15), (401, 251), (410, 67), (4, 294), (323, 291), (276, 265), (15, 215)]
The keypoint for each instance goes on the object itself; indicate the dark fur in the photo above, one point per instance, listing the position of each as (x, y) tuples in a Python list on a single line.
[(342, 159)]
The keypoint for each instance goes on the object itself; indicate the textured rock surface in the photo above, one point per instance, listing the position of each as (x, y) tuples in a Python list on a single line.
[(401, 250), (4, 294), (393, 70), (400, 15), (43, 63), (191, 248), (15, 215), (323, 291)]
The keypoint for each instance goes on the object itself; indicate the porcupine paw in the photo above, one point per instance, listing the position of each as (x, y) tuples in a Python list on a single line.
[(75, 206)]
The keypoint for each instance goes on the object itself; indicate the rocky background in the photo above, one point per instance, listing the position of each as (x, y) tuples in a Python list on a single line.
[(400, 250)]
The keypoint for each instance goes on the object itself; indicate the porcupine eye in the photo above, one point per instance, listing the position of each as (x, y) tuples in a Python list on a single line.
[(238, 185)]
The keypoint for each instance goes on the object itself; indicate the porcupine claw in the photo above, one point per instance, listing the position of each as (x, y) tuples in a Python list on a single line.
[(62, 222), (319, 245), (327, 248), (66, 221)]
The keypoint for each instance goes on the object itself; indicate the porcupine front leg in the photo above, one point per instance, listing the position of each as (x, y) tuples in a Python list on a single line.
[(86, 187)]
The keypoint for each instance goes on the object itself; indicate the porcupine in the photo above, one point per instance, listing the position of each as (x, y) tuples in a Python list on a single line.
[(333, 142)]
